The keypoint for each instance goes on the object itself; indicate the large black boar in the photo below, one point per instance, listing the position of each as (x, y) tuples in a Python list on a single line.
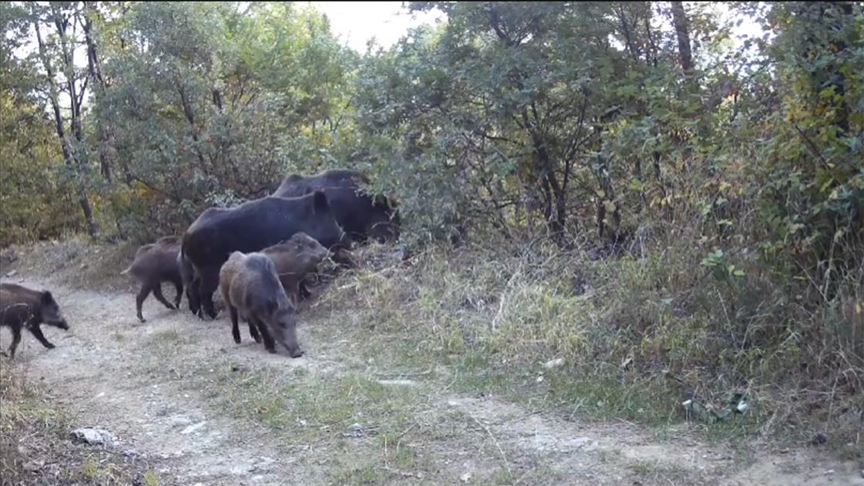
[(250, 227), (23, 307), (251, 288), (361, 215), (156, 263), (295, 259)]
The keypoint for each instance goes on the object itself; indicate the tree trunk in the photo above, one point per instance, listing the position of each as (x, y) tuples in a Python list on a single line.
[(682, 32), (555, 207), (95, 72), (70, 155)]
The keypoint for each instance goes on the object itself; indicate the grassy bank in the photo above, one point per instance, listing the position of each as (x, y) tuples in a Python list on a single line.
[(658, 340), (663, 340)]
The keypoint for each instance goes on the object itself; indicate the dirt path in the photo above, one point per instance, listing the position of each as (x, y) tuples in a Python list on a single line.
[(178, 390)]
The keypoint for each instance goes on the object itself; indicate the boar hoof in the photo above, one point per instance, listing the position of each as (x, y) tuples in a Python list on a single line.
[(50, 346)]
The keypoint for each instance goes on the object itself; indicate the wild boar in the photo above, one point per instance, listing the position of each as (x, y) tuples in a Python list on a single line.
[(360, 214), (294, 260), (24, 307), (156, 263), (251, 227), (251, 289)]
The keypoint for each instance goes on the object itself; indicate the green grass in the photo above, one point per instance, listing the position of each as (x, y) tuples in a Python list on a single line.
[(654, 473), (471, 358), (389, 459), (169, 337), (367, 432), (648, 336), (314, 407), (475, 323)]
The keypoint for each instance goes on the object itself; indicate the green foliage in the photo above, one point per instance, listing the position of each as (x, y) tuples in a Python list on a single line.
[(33, 193), (211, 105), (721, 269), (34, 190), (814, 174), (488, 107)]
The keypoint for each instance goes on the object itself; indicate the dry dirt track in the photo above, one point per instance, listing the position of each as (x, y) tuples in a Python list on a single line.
[(160, 388)]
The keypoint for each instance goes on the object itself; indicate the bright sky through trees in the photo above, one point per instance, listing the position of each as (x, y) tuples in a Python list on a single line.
[(357, 22)]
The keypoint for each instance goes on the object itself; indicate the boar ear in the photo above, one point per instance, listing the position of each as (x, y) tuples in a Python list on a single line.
[(319, 202), (47, 298)]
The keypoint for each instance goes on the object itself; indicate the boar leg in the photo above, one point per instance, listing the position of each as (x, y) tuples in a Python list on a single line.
[(209, 282), (37, 333), (253, 331), (157, 292), (178, 284), (193, 296), (235, 328), (269, 344), (16, 338), (146, 288)]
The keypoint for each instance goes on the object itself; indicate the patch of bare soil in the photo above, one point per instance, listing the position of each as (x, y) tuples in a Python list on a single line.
[(160, 387), (36, 446), (622, 453), (108, 371)]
